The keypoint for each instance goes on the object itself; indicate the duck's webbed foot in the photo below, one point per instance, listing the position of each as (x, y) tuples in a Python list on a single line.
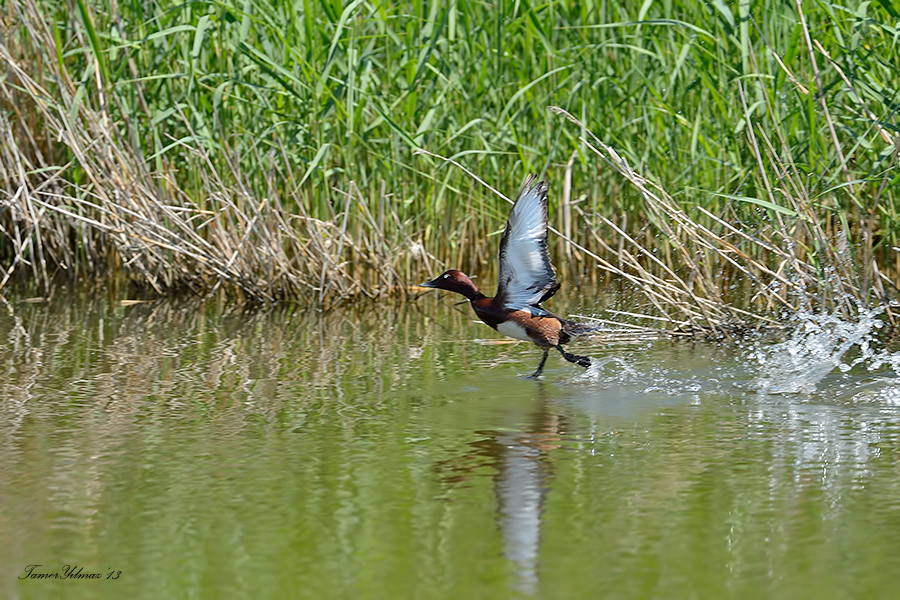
[(584, 361), (540, 368)]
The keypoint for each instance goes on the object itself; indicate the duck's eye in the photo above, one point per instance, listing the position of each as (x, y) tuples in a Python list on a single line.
[(446, 276)]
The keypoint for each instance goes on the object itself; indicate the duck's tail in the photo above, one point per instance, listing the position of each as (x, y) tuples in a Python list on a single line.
[(574, 328)]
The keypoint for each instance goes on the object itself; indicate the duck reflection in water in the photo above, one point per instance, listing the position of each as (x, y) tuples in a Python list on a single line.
[(524, 468)]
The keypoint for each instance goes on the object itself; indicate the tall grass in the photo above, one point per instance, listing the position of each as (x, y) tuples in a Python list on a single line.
[(269, 147)]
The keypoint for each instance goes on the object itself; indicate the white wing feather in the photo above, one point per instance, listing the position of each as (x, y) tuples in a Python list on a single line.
[(526, 272)]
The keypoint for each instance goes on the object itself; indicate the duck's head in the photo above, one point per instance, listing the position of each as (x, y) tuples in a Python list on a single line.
[(454, 281)]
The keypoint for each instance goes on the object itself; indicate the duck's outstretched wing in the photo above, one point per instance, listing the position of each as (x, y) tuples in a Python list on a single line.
[(526, 276)]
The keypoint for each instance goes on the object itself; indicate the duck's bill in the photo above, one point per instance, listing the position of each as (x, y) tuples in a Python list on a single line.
[(428, 284)]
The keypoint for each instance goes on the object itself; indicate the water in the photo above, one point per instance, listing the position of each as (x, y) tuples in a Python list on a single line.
[(192, 450)]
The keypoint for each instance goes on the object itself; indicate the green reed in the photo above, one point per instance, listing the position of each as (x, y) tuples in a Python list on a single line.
[(304, 118)]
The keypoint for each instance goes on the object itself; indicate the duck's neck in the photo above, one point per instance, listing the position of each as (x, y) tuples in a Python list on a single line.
[(469, 290)]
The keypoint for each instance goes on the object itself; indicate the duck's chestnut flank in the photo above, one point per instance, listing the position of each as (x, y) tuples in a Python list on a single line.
[(526, 279)]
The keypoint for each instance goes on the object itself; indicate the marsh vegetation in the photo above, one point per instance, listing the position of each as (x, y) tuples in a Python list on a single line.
[(729, 163)]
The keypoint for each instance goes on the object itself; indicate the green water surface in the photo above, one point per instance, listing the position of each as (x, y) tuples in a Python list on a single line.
[(192, 450)]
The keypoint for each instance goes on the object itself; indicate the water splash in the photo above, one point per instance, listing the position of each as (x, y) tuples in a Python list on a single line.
[(615, 372), (621, 370), (817, 347)]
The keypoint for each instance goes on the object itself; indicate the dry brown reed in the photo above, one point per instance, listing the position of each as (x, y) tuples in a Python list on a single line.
[(773, 262), (120, 214)]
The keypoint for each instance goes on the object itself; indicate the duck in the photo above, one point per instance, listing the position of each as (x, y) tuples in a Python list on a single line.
[(526, 279)]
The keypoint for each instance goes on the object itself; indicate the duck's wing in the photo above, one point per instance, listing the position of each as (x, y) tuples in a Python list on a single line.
[(526, 276)]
